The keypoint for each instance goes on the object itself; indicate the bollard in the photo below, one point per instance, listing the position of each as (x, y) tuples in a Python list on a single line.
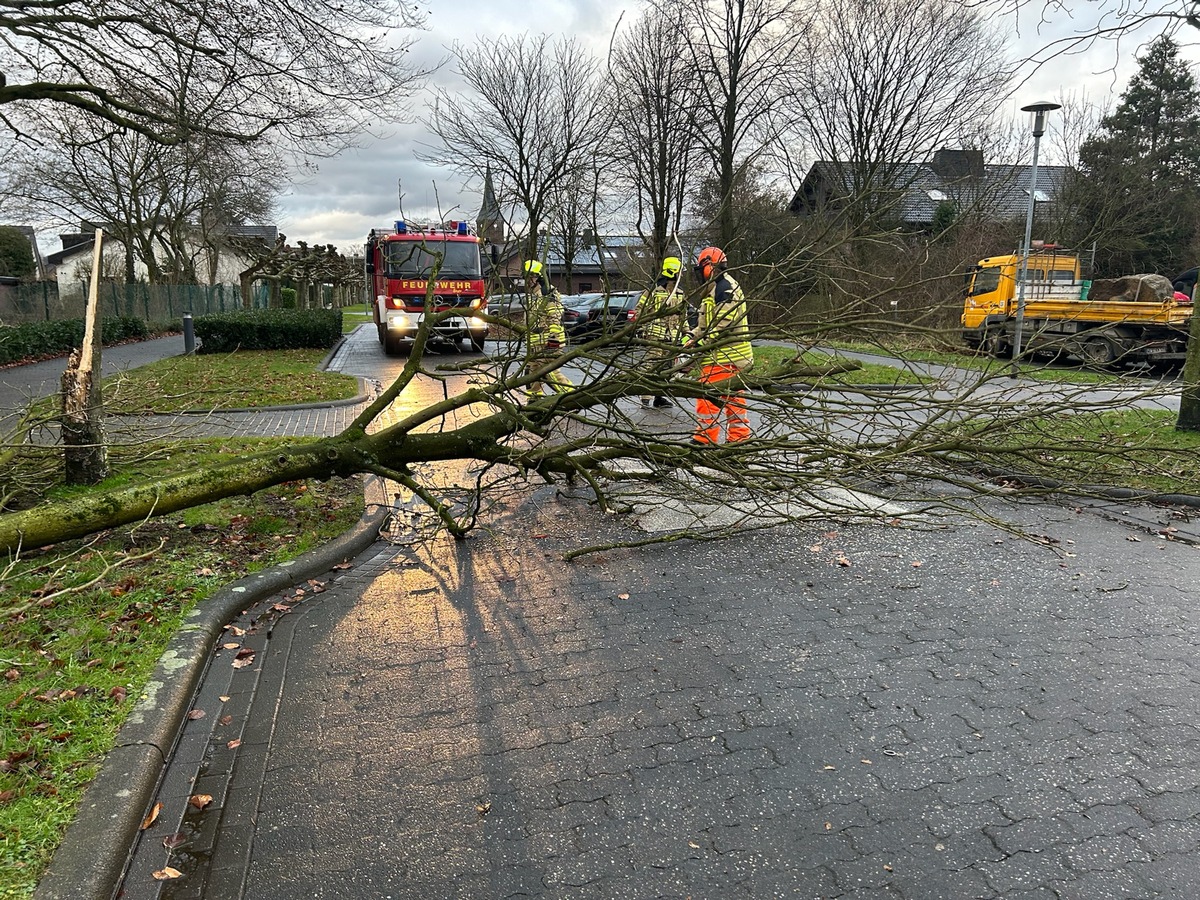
[(189, 335)]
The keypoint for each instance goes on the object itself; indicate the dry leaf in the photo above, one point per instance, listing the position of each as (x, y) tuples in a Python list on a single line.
[(151, 816), (167, 873), (622, 596), (200, 800), (482, 809), (178, 839), (196, 714), (341, 567), (866, 762), (232, 645), (234, 744), (1134, 538), (916, 563), (843, 562), (828, 826), (830, 768), (235, 631), (224, 699), (815, 548), (693, 845), (887, 868)]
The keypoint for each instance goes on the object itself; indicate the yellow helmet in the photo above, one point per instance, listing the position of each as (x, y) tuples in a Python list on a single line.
[(671, 266), (533, 267)]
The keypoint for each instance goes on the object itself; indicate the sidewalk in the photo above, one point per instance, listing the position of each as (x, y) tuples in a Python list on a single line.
[(953, 714)]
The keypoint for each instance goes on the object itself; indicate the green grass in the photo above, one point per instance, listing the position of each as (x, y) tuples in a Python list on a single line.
[(353, 316), (252, 378), (1135, 448), (868, 373), (978, 362), (74, 659)]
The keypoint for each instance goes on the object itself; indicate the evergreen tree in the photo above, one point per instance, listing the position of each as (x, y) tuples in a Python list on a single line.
[(16, 255), (1136, 194)]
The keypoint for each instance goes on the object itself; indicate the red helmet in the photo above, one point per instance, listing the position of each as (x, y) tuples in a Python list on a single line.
[(710, 258)]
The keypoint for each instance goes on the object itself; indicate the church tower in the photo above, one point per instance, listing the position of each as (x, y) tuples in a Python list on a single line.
[(490, 222)]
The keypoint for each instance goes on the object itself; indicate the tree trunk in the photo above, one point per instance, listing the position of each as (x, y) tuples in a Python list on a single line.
[(1189, 396), (85, 451)]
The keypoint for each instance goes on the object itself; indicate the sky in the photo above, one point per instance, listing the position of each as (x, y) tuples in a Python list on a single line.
[(347, 195)]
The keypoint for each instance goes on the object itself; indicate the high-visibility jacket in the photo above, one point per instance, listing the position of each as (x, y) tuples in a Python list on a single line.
[(660, 322), (543, 319), (724, 329)]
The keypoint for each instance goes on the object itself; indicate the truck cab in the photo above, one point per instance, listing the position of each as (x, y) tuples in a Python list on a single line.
[(415, 272), (992, 290)]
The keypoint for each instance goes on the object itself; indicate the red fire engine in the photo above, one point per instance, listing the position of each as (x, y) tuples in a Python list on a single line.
[(398, 267)]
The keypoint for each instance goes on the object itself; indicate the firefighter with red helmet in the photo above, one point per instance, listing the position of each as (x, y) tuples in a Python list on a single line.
[(723, 337), (659, 314), (544, 333)]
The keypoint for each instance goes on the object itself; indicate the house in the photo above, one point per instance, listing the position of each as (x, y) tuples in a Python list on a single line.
[(957, 177), (612, 262), (216, 262)]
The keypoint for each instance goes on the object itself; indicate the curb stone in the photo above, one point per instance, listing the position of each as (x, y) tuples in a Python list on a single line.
[(91, 860)]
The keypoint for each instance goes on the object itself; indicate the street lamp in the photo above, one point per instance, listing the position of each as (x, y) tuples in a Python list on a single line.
[(1039, 111)]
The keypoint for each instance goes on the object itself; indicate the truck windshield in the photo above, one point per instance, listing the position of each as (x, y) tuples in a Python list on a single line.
[(412, 258), (986, 281)]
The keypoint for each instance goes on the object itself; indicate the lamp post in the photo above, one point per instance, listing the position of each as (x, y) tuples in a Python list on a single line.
[(1039, 111)]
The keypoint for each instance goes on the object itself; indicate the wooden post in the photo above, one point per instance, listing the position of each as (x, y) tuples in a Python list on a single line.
[(86, 453)]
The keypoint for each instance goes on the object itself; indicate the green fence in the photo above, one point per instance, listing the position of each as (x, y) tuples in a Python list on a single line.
[(46, 301)]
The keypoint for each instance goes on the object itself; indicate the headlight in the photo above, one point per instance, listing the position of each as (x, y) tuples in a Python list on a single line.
[(476, 303)]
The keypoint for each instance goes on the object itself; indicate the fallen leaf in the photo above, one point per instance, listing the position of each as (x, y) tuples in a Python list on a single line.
[(815, 548), (171, 841), (281, 607), (342, 567), (196, 714), (693, 845), (622, 596), (830, 768), (205, 572), (5, 796), (151, 816), (200, 800), (916, 563), (234, 744), (828, 826), (224, 699), (232, 645), (166, 874), (843, 562), (235, 631), (482, 809), (12, 675), (887, 868), (866, 762), (1134, 538)]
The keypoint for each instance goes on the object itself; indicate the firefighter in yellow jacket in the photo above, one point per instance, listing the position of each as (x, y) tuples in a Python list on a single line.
[(544, 334), (660, 314), (723, 337)]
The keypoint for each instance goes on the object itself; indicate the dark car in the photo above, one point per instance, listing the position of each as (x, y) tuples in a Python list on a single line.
[(587, 315)]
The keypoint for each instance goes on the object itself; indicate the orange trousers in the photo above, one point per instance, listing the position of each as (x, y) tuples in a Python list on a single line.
[(732, 407)]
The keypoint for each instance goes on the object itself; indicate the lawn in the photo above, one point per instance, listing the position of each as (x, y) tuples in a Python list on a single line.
[(246, 378), (85, 623)]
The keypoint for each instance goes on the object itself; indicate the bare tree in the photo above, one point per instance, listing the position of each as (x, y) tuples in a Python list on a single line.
[(742, 52), (874, 93), (535, 114), (656, 85), (170, 206), (312, 70)]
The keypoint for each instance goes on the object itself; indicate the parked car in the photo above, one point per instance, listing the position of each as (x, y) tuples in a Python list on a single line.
[(510, 306), (586, 315)]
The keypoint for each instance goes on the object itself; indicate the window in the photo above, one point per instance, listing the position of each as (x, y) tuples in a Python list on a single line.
[(407, 259), (1039, 195), (937, 196), (585, 287), (986, 281)]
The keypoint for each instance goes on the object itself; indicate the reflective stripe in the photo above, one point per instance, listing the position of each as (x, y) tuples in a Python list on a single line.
[(726, 324)]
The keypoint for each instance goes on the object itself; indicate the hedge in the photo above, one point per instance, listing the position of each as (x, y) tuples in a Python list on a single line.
[(268, 329), (37, 340)]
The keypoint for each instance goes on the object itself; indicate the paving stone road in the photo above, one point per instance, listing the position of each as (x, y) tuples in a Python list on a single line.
[(822, 711), (746, 719)]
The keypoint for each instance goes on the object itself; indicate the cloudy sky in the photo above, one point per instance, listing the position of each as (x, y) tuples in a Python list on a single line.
[(357, 190)]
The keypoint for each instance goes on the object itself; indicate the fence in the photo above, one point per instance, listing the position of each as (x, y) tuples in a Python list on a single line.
[(45, 301)]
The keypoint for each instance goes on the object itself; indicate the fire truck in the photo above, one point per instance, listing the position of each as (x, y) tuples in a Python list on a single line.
[(399, 265)]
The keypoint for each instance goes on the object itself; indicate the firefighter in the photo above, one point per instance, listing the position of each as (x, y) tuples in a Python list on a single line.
[(723, 337), (544, 334), (660, 309)]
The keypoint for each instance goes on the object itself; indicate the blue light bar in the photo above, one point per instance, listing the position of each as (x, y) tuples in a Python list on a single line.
[(401, 227), (462, 227)]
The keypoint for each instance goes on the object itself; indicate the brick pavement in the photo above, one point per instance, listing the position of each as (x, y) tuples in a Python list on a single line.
[(743, 719)]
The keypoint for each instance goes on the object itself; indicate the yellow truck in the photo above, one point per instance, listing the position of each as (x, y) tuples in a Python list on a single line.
[(1062, 319)]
